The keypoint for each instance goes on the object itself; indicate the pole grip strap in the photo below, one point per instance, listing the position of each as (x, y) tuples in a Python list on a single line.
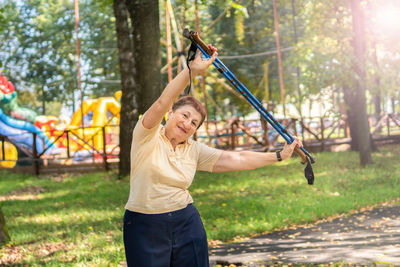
[(190, 56)]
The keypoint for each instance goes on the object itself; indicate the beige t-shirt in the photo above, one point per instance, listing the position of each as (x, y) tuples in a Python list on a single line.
[(160, 177)]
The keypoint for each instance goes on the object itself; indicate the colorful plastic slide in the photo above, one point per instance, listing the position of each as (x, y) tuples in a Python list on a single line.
[(20, 133), (102, 109), (15, 124), (8, 102), (10, 155)]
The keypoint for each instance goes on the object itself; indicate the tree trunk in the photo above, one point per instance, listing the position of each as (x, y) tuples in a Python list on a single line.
[(377, 91), (146, 39), (358, 106), (138, 34), (280, 67), (4, 237), (350, 98), (393, 100), (129, 103)]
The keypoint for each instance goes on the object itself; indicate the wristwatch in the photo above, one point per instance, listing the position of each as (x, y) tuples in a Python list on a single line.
[(278, 155)]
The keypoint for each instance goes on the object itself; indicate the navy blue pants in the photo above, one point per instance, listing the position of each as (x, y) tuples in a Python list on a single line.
[(172, 239)]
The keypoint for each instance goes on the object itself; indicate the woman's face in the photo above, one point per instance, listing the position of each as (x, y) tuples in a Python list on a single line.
[(182, 123)]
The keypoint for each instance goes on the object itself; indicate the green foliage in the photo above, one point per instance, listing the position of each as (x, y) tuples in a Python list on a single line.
[(39, 48), (2, 16), (99, 47), (5, 11), (325, 53), (53, 108), (39, 38), (28, 99)]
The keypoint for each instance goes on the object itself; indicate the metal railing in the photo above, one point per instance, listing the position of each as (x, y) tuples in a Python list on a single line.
[(96, 144)]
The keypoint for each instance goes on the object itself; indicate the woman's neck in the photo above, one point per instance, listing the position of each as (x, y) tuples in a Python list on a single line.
[(171, 139)]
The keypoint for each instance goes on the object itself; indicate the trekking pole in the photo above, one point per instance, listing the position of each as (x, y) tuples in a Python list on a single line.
[(301, 151)]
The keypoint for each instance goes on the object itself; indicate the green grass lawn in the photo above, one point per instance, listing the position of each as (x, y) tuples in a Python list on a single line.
[(77, 220)]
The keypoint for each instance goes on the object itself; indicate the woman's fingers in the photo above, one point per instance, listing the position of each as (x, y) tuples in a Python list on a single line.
[(214, 54), (200, 64), (213, 49), (297, 142), (212, 58), (289, 148)]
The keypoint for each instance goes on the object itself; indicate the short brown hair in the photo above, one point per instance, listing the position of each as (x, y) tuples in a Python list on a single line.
[(193, 102)]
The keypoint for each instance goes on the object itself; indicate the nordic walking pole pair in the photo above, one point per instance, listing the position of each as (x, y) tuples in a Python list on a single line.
[(197, 43)]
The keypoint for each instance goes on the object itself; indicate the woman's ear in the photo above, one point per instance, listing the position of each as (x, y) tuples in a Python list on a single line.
[(168, 115)]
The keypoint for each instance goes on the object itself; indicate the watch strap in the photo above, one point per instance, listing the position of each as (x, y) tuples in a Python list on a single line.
[(278, 155)]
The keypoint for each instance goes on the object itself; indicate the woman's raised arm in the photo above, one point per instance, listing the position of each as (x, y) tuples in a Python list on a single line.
[(156, 112)]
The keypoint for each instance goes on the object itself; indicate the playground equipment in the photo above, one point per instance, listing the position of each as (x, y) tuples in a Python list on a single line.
[(15, 123), (86, 126), (8, 102), (10, 156), (21, 128), (103, 111), (19, 133)]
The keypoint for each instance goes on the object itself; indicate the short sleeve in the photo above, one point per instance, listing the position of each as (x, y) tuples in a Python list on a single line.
[(208, 156), (141, 134)]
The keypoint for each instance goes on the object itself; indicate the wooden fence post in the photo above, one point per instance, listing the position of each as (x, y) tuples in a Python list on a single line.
[(347, 128), (322, 134), (264, 127), (68, 151), (294, 121), (106, 167), (35, 156), (388, 124), (3, 150), (233, 145)]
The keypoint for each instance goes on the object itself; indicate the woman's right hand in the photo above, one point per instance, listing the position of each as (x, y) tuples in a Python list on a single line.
[(156, 112), (199, 65)]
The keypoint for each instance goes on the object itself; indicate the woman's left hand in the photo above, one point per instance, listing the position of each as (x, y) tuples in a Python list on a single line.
[(199, 65), (288, 149)]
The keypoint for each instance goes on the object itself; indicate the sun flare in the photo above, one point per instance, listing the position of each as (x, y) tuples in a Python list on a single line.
[(387, 19)]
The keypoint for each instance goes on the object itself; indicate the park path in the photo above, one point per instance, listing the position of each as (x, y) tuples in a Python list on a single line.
[(365, 237)]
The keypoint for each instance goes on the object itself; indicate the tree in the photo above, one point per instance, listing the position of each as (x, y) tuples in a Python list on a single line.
[(38, 47), (330, 38), (138, 35), (4, 236), (357, 101)]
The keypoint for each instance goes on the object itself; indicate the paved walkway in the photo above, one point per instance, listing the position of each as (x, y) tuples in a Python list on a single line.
[(369, 236)]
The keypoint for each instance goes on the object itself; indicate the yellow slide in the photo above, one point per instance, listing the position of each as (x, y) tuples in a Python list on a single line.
[(105, 112), (10, 153)]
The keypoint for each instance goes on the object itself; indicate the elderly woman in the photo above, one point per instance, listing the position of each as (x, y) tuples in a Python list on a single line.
[(161, 225)]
